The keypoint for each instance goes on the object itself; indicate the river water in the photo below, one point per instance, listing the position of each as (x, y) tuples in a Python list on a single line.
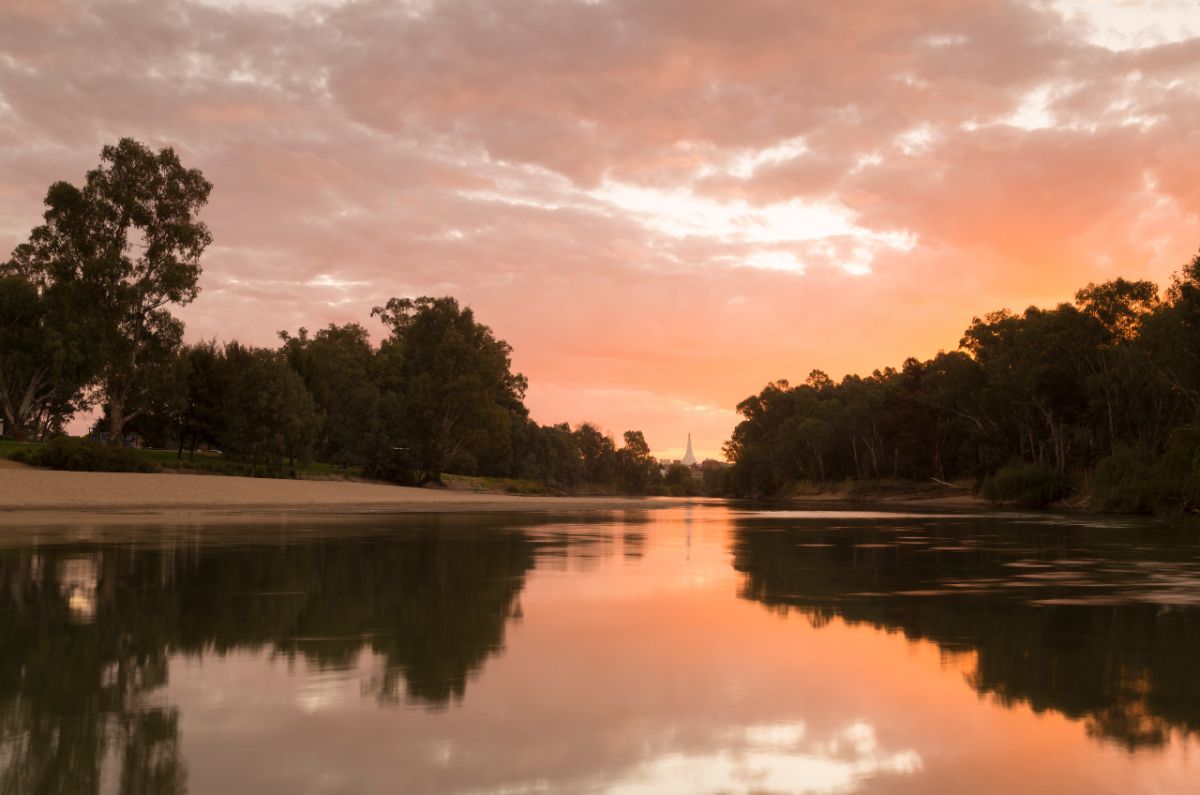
[(695, 649)]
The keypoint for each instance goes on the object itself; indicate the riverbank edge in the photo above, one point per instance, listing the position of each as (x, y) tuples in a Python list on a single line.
[(39, 496), (911, 500), (935, 494)]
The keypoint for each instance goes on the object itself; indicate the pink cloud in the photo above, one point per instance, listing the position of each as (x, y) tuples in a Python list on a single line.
[(661, 205)]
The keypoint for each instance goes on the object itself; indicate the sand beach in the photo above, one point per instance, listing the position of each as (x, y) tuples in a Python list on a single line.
[(39, 495)]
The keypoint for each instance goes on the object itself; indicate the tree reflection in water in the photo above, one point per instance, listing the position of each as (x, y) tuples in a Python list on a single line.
[(1100, 625), (88, 631), (1066, 619)]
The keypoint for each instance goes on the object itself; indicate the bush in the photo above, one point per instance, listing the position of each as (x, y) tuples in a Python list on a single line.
[(1132, 481), (83, 455), (1179, 470), (394, 465), (1024, 484), (1128, 482)]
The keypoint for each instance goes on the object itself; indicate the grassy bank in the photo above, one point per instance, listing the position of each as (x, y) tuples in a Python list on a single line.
[(210, 463), (215, 463), (498, 485), (90, 456), (7, 447)]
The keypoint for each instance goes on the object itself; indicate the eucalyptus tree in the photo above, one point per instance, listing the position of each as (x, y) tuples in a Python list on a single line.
[(128, 243)]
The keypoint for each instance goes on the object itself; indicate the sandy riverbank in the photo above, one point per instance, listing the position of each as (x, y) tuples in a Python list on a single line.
[(28, 494)]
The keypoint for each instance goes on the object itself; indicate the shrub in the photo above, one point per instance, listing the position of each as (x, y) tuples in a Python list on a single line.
[(1179, 470), (391, 464), (83, 455), (1024, 484), (1128, 482)]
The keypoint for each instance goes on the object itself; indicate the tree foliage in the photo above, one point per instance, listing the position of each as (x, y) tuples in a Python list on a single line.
[(269, 413), (1046, 395), (109, 260), (454, 380), (45, 356), (336, 366)]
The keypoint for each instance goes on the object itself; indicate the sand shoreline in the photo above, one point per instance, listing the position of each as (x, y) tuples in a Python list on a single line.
[(38, 495)]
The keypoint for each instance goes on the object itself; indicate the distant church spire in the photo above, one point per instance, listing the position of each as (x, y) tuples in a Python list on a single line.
[(689, 458)]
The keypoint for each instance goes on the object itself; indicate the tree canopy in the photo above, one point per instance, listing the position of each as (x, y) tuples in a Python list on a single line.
[(109, 260), (454, 379), (1065, 390)]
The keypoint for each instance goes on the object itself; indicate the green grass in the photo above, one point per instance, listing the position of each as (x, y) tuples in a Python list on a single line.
[(218, 464), (506, 485), (203, 462), (82, 455), (211, 463), (7, 447)]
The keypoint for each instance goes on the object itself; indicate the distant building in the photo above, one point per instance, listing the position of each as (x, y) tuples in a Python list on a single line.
[(689, 458), (696, 468)]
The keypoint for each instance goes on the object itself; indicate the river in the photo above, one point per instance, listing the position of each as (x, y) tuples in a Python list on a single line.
[(703, 648)]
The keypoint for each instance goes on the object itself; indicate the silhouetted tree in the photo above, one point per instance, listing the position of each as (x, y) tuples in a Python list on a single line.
[(269, 417), (454, 381), (336, 366)]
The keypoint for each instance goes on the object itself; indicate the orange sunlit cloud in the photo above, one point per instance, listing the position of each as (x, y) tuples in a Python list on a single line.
[(661, 205)]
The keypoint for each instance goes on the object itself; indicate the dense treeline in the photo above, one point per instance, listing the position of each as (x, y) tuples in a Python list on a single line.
[(85, 321), (1104, 391), (437, 395)]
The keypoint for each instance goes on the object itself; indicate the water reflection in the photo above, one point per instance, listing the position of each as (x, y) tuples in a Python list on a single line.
[(88, 630), (778, 757), (1097, 623), (622, 653)]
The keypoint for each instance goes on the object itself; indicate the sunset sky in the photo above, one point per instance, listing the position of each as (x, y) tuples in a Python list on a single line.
[(661, 205)]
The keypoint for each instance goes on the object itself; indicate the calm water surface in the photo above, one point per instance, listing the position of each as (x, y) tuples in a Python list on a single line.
[(695, 649)]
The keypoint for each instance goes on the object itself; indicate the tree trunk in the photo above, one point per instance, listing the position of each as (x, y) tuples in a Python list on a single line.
[(22, 415), (116, 418)]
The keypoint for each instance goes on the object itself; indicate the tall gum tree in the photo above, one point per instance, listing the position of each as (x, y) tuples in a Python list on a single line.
[(130, 242)]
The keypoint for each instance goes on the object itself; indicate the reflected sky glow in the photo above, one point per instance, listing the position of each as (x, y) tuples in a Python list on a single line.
[(772, 758), (691, 650)]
